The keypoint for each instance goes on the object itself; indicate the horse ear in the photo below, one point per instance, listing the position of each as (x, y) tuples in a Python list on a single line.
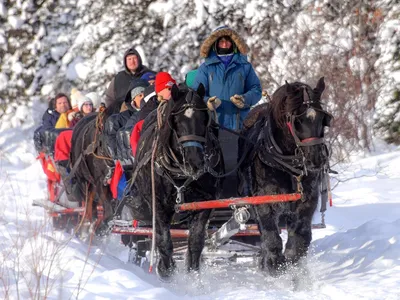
[(288, 87), (175, 92), (306, 97), (320, 86), (201, 90)]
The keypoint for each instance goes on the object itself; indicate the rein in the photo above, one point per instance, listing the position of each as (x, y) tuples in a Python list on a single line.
[(95, 144), (242, 158)]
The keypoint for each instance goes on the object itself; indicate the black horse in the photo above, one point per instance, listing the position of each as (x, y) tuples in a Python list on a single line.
[(288, 155), (185, 146), (90, 157)]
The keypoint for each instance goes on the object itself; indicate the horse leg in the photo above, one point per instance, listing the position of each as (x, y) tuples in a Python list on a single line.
[(89, 202), (166, 264), (299, 230), (271, 243), (104, 197), (87, 218), (197, 234)]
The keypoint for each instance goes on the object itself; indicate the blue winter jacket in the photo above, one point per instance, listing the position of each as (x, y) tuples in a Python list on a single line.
[(238, 78)]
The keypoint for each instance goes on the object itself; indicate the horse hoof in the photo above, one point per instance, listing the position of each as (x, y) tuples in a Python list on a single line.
[(274, 267), (277, 271), (165, 275)]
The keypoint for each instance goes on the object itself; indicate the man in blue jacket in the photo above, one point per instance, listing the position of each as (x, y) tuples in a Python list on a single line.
[(231, 84)]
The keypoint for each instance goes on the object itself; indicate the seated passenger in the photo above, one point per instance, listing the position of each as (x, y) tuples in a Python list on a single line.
[(96, 100), (117, 121), (59, 105), (154, 94), (85, 106), (162, 91)]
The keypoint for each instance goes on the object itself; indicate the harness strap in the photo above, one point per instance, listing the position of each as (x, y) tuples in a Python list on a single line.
[(192, 137), (146, 158), (192, 144), (312, 141), (75, 167)]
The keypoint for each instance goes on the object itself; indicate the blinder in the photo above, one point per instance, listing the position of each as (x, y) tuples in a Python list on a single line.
[(327, 119)]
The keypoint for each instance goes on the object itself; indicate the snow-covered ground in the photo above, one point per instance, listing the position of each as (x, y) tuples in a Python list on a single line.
[(356, 257)]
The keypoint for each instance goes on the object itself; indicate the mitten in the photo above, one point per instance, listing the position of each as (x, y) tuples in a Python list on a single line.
[(213, 103), (238, 101)]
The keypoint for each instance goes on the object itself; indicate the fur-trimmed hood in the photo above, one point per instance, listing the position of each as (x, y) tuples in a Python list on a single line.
[(220, 32)]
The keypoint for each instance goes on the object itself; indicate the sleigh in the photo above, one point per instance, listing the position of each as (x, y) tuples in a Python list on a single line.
[(233, 218), (231, 221)]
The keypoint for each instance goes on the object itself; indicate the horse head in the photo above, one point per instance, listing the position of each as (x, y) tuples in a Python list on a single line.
[(297, 110), (186, 130)]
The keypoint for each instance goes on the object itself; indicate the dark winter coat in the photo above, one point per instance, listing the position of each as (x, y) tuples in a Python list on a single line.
[(49, 119), (117, 122), (120, 84), (238, 77), (149, 104)]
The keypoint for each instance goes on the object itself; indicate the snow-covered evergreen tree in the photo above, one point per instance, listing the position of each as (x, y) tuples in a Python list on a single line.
[(53, 45), (388, 107)]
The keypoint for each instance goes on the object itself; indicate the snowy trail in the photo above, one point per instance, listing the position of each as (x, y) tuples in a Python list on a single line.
[(356, 257)]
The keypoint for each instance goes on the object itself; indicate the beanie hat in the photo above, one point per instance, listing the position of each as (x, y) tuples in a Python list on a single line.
[(136, 91), (82, 99), (95, 99), (163, 80), (74, 95), (148, 76), (135, 88)]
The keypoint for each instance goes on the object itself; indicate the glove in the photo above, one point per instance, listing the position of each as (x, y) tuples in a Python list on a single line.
[(238, 101), (213, 103), (71, 115)]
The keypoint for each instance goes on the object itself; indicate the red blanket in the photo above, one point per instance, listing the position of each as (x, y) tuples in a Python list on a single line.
[(48, 167), (63, 146), (135, 136), (118, 171)]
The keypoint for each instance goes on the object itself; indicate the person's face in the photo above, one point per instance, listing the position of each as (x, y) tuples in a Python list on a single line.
[(165, 93), (62, 105), (151, 82), (87, 108), (132, 62), (224, 43), (137, 100)]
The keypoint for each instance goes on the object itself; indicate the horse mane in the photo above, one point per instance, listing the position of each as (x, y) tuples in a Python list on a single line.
[(113, 108), (287, 99), (172, 105)]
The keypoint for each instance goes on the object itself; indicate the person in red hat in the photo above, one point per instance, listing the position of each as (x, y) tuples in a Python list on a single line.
[(163, 85)]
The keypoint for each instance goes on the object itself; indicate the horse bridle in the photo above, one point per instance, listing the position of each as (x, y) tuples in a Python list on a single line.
[(294, 164), (291, 117), (191, 140)]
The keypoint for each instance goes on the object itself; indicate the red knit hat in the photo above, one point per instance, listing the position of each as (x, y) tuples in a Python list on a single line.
[(163, 80)]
